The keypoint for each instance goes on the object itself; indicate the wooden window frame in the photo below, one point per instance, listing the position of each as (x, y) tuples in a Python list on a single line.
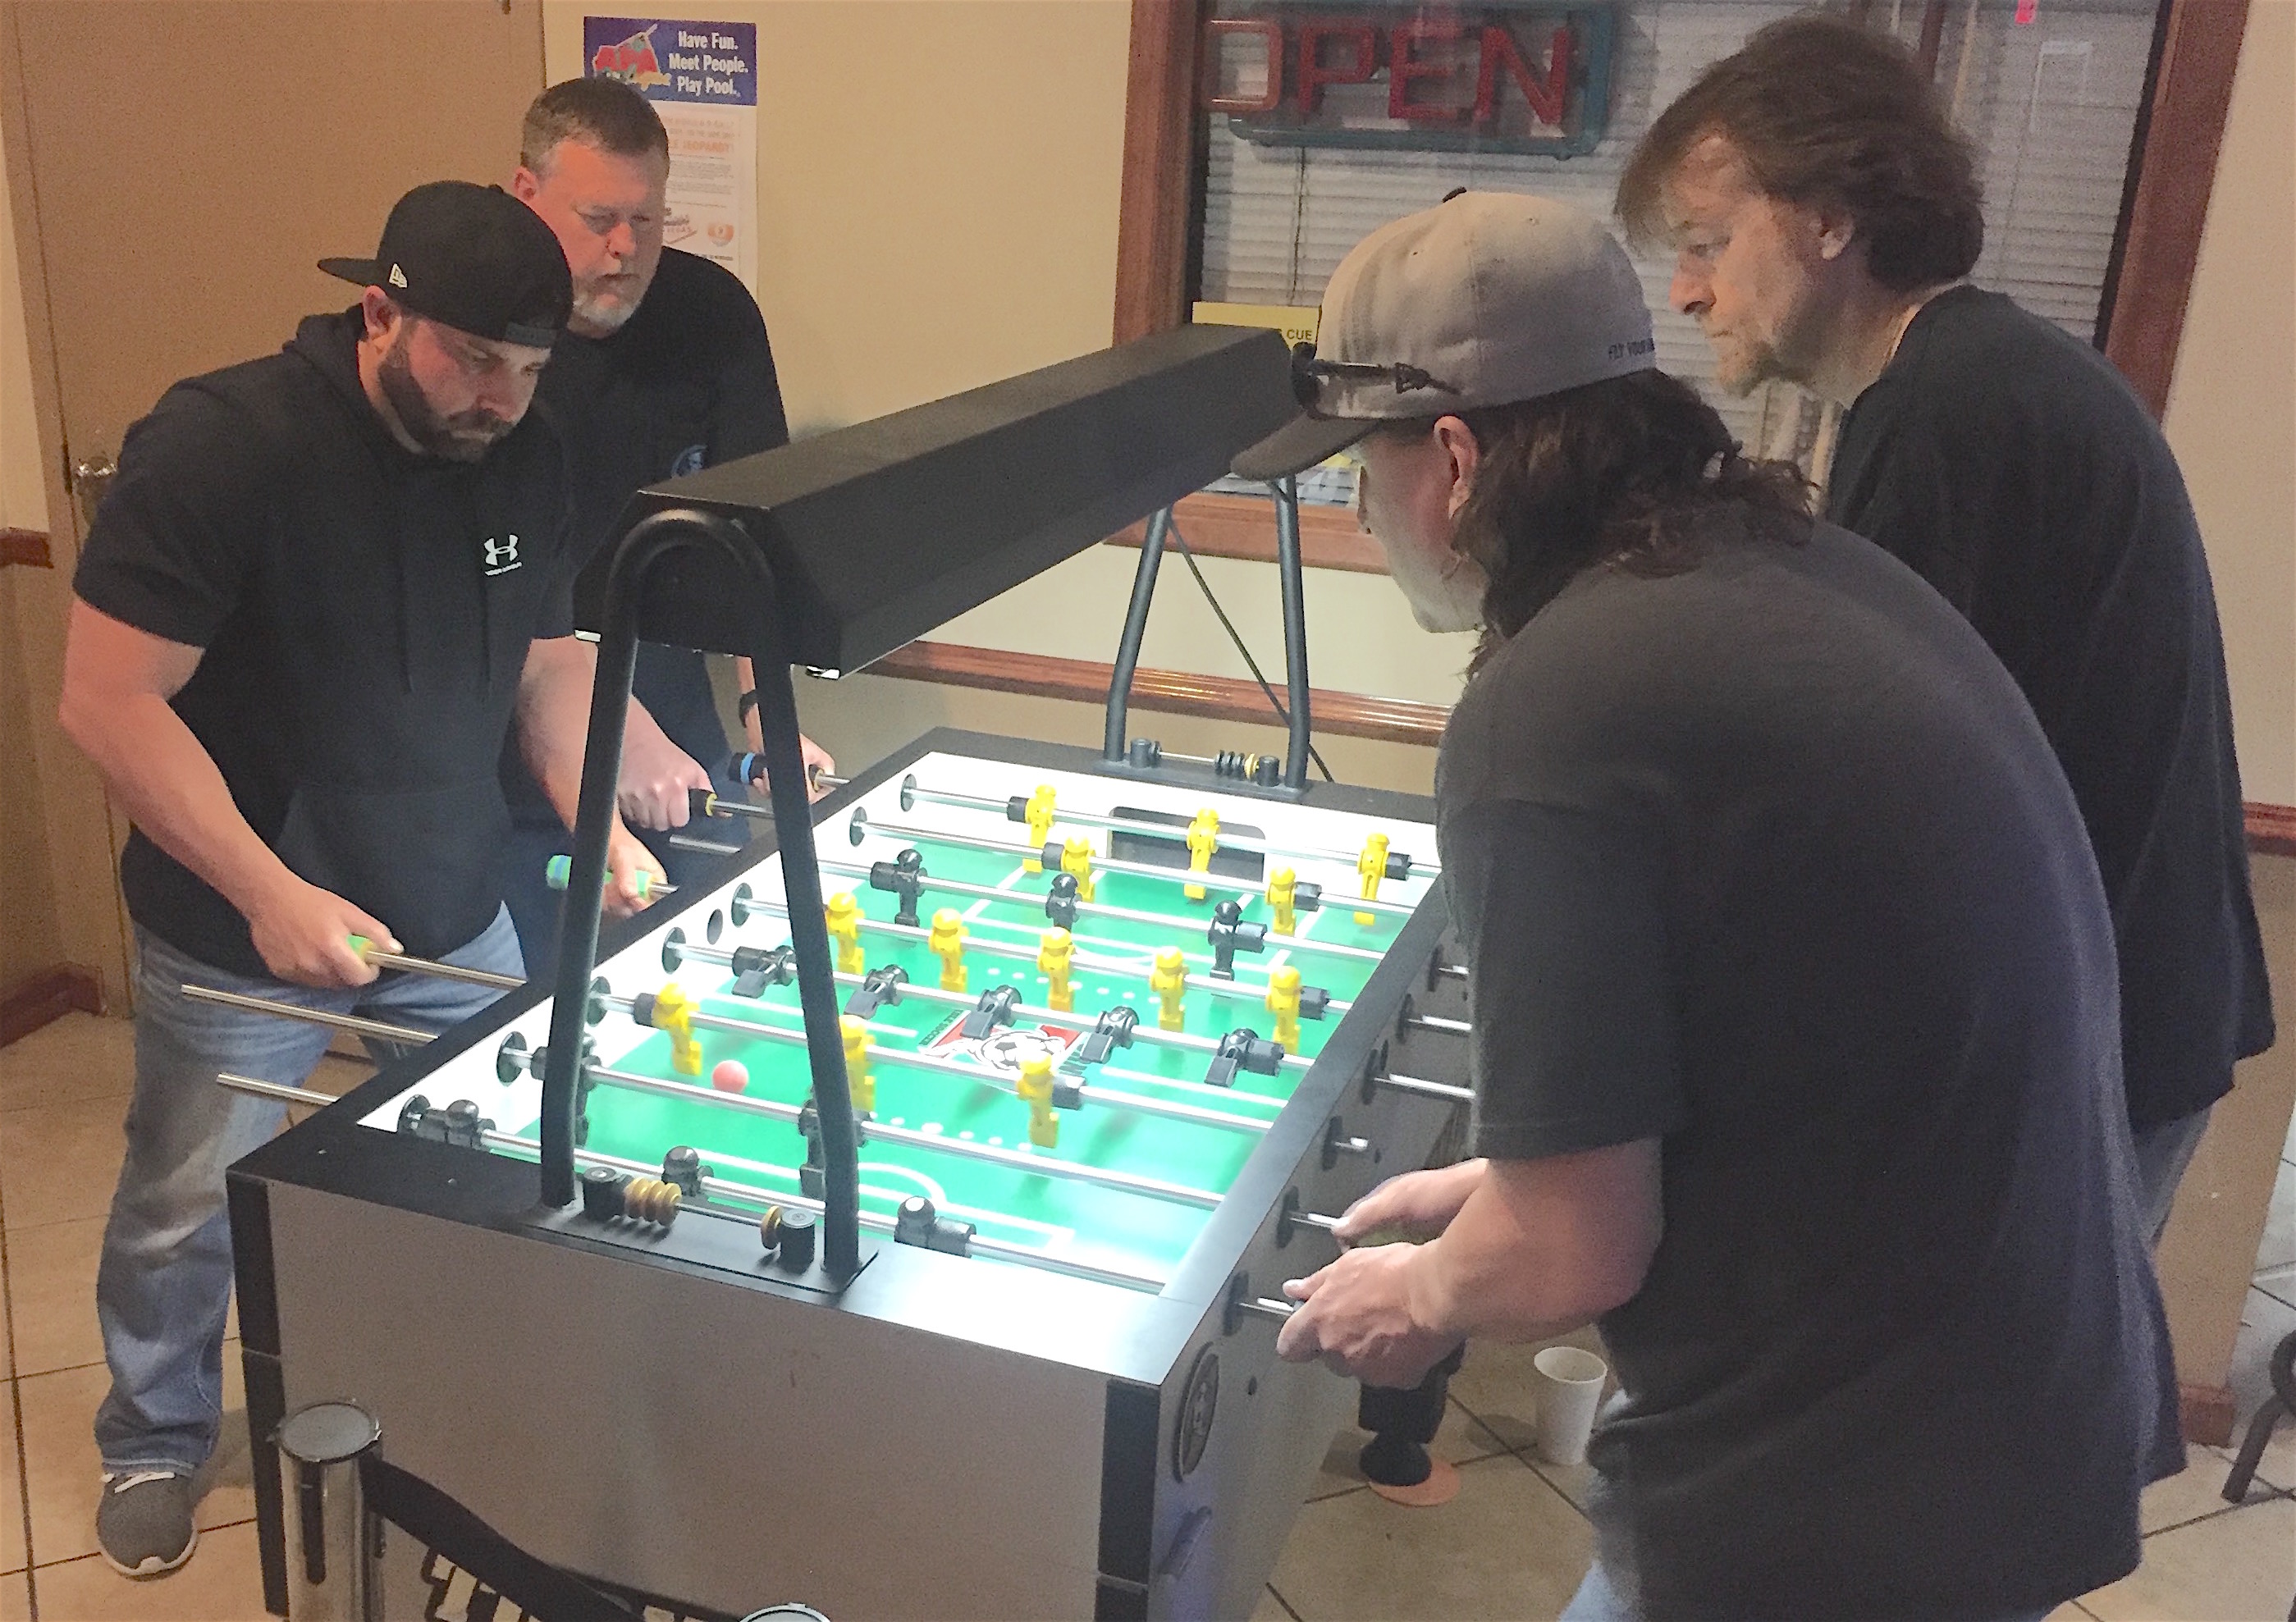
[(2148, 283)]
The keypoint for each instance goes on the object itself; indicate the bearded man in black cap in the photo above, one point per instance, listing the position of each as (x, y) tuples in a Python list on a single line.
[(320, 590)]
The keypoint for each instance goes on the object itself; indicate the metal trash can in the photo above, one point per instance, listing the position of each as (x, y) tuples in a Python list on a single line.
[(332, 1542)]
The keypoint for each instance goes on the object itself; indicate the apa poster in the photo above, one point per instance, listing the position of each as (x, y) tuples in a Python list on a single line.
[(702, 79)]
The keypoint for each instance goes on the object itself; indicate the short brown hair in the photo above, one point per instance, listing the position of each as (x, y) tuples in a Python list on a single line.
[(601, 112), (1826, 113), (1637, 473)]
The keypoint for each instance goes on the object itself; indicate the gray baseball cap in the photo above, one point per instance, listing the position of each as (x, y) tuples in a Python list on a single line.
[(1484, 300)]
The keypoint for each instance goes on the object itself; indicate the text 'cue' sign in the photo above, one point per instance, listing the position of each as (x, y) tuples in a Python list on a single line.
[(1505, 76)]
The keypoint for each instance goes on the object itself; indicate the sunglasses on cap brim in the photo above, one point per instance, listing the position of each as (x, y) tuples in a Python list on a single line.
[(1309, 373)]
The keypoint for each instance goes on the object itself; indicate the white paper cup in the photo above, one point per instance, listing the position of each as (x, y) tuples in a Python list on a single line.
[(1570, 1386)]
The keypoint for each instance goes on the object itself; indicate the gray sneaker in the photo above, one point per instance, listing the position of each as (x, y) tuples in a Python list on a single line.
[(144, 1521)]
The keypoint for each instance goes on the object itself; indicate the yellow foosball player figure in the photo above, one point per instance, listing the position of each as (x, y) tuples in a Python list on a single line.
[(948, 942), (1282, 894), (1055, 949), (1168, 982), (858, 1081), (1283, 1003), (1203, 838), (843, 914), (1076, 858), (1373, 867), (673, 1011), (1037, 1089), (1039, 814)]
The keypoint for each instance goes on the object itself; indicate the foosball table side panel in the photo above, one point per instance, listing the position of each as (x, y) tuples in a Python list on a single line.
[(1223, 1514), (707, 1443)]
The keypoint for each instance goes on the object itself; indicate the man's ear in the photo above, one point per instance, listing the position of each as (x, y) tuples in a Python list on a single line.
[(1833, 230), (525, 185), (382, 315), (1457, 442)]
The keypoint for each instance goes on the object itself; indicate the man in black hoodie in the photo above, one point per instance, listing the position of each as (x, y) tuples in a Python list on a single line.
[(320, 590)]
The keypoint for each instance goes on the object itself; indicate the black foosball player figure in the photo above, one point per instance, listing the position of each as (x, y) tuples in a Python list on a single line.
[(1402, 1422)]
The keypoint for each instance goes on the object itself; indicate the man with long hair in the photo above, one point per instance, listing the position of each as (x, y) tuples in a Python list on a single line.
[(1796, 1044), (1824, 212)]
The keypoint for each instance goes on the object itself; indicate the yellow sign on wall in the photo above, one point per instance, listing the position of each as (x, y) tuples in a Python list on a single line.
[(1297, 323)]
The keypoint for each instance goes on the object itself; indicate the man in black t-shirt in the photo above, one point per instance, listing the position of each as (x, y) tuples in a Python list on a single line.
[(1795, 1043), (664, 369), (1824, 213), (316, 593)]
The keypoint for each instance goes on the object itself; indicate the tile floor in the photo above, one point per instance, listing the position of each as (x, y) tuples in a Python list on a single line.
[(1513, 1545)]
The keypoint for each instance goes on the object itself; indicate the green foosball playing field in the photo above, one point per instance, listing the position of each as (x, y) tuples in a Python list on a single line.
[(1166, 1121)]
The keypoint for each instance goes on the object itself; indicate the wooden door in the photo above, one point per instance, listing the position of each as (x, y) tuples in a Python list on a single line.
[(175, 166)]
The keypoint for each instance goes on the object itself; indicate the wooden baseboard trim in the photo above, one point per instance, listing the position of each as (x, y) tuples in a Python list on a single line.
[(2208, 1413), (1245, 527), (2271, 829), (1220, 697), (28, 547), (48, 995)]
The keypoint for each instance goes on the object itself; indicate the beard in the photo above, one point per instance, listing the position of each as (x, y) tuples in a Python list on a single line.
[(462, 435), (1789, 354), (1445, 594), (601, 308)]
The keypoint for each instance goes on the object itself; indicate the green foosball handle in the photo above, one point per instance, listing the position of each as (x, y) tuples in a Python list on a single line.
[(1394, 1233), (359, 943), (559, 868)]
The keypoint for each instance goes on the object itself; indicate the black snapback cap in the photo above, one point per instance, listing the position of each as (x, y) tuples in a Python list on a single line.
[(473, 257)]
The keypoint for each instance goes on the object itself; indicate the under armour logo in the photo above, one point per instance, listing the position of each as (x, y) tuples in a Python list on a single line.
[(501, 556), (397, 276)]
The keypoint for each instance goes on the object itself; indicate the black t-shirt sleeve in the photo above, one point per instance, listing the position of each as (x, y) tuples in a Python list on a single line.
[(746, 416), (171, 545), (1559, 914), (555, 615)]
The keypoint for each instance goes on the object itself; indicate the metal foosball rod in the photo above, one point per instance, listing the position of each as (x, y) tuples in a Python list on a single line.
[(1101, 909), (369, 953), (678, 948), (975, 1245), (1189, 1114), (1235, 990), (351, 1024), (1015, 810), (1011, 1160), (559, 870), (1425, 1089), (862, 824), (747, 1193), (1435, 1023)]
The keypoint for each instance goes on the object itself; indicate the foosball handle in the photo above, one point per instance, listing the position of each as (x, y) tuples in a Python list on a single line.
[(558, 868)]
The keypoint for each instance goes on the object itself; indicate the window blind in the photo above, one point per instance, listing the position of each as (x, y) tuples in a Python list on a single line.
[(2050, 106)]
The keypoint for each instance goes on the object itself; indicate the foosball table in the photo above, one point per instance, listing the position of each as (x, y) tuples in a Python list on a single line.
[(1113, 1043)]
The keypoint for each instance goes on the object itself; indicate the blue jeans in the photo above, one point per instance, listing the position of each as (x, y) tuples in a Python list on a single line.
[(2163, 1154), (164, 1284), (1597, 1602)]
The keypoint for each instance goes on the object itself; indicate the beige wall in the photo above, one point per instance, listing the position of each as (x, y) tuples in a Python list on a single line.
[(938, 209), (2232, 410), (28, 939), (2232, 419), (938, 185), (936, 188)]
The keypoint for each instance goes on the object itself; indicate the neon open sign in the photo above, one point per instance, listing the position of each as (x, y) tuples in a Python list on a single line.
[(1512, 75)]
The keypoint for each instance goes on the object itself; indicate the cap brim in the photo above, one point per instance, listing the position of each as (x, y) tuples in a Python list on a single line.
[(366, 273), (1297, 446)]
